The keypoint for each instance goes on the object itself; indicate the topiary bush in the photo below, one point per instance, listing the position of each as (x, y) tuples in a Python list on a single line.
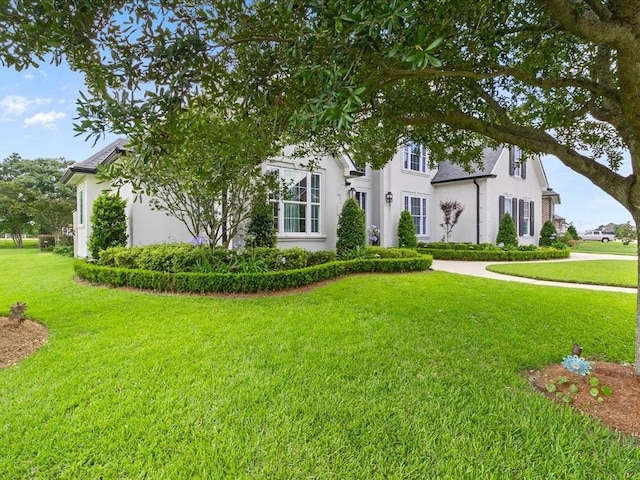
[(351, 228), (548, 234), (507, 233), (262, 229), (407, 237), (108, 224)]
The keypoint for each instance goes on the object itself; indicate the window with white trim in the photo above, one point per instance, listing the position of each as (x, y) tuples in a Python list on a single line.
[(417, 207), (80, 206), (526, 218), (415, 157), (298, 211)]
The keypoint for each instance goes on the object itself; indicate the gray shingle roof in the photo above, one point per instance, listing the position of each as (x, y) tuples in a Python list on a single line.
[(102, 157), (450, 172)]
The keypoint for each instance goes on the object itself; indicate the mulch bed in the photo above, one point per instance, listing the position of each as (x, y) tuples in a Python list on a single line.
[(620, 411), (19, 340)]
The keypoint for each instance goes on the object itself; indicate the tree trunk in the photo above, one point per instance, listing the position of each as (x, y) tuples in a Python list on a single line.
[(636, 366)]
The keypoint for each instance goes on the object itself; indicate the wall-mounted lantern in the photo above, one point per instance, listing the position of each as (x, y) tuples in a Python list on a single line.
[(389, 197)]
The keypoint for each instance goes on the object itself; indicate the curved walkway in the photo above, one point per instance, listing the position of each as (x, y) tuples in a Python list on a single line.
[(479, 269)]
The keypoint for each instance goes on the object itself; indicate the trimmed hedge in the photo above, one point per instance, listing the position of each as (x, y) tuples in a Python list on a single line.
[(243, 282), (497, 255)]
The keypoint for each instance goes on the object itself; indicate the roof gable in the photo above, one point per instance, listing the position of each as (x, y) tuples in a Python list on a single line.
[(103, 157), (450, 172)]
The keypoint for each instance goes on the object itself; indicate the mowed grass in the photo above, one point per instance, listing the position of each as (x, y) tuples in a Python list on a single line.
[(619, 273), (26, 243), (612, 248), (407, 376)]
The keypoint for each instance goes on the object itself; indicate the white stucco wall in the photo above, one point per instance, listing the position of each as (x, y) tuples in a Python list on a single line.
[(147, 226), (464, 192), (400, 182), (529, 189), (87, 187)]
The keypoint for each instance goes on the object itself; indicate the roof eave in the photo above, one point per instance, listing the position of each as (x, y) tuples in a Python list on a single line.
[(473, 177)]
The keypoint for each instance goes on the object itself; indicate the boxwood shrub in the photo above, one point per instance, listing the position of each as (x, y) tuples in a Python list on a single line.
[(243, 282), (495, 254)]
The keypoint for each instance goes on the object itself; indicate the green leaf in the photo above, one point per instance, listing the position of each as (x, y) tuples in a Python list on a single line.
[(567, 399), (435, 44), (594, 382), (573, 388), (551, 387), (562, 380), (594, 392), (606, 390)]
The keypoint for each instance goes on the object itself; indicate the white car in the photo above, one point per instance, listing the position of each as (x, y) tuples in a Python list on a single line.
[(598, 235)]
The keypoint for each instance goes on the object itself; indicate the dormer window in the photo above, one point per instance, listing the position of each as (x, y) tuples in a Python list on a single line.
[(415, 157), (517, 168)]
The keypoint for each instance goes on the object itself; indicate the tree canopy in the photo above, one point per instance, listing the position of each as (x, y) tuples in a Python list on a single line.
[(32, 199), (551, 76)]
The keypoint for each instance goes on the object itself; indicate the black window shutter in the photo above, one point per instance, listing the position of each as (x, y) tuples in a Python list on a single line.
[(521, 217), (531, 230), (514, 210), (523, 169), (500, 207), (512, 160)]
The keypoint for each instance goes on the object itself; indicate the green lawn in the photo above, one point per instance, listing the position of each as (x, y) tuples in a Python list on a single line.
[(619, 273), (26, 243), (374, 376), (613, 248)]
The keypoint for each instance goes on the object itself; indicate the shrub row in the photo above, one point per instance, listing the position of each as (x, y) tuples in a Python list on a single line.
[(243, 282), (496, 255), (182, 257), (473, 246)]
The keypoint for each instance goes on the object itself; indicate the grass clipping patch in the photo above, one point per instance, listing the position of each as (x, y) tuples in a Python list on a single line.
[(19, 340), (620, 411)]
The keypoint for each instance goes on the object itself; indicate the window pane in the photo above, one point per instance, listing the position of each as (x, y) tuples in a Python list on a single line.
[(315, 188), (315, 218), (294, 217), (297, 182)]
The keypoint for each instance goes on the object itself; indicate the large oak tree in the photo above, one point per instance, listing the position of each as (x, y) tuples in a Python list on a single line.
[(552, 76)]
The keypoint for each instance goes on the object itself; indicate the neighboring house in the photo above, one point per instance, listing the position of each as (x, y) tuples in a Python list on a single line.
[(549, 201), (308, 216)]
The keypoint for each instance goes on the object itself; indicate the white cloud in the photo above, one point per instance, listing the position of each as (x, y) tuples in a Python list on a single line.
[(47, 119), (28, 76), (17, 105), (13, 105)]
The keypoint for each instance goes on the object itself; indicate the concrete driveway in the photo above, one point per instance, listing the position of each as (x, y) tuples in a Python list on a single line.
[(479, 269)]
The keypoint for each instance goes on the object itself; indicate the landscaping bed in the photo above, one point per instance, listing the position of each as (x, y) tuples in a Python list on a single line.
[(191, 269)]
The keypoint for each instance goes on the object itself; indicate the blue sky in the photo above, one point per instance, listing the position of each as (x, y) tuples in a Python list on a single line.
[(37, 108)]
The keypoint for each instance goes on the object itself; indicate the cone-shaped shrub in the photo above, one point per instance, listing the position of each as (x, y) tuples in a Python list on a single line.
[(548, 234), (507, 235), (262, 229), (351, 228), (407, 237), (108, 224)]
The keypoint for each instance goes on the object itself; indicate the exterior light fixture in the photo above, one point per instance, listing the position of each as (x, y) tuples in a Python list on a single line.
[(352, 192), (389, 197)]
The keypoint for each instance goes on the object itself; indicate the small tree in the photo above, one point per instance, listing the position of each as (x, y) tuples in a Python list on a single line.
[(548, 234), (452, 210), (573, 232), (407, 237), (108, 224), (261, 225), (507, 234), (625, 232), (351, 228)]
